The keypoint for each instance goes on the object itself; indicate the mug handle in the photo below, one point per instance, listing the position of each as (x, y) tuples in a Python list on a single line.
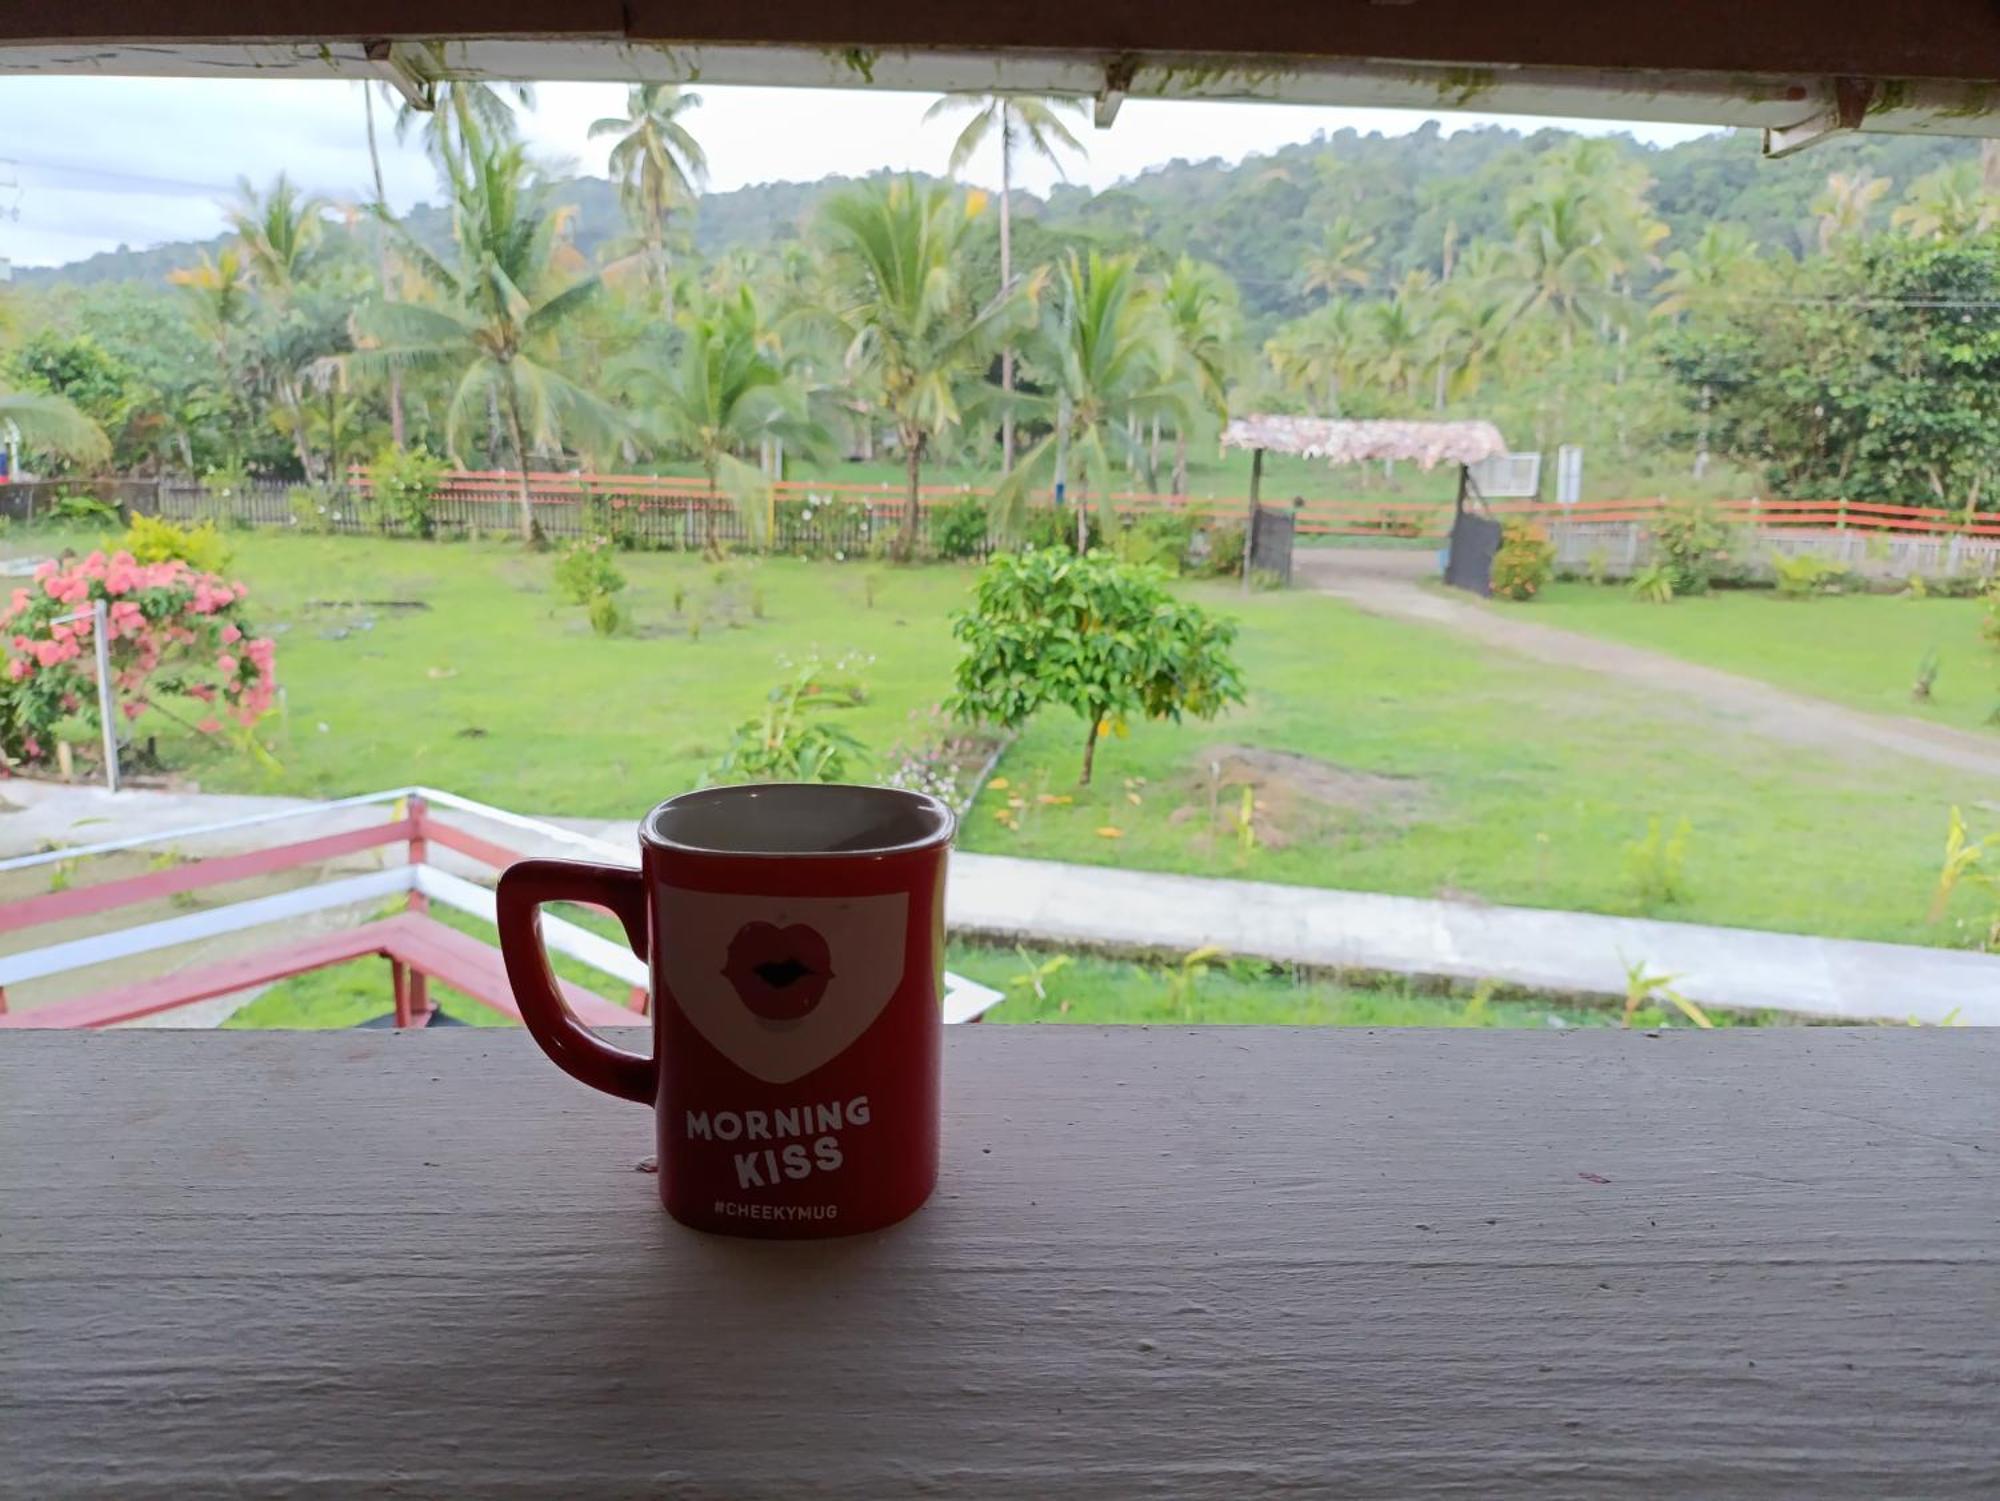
[(524, 887)]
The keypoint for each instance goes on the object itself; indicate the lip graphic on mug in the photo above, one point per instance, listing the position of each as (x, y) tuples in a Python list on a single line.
[(781, 974), (782, 985)]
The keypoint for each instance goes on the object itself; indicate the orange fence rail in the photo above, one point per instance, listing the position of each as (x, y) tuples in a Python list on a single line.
[(1417, 519)]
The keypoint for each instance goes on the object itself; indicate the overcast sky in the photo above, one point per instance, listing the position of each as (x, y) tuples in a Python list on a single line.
[(140, 161)]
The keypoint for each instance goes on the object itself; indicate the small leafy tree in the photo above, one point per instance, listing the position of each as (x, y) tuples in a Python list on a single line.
[(406, 482), (791, 740), (586, 575), (1102, 638)]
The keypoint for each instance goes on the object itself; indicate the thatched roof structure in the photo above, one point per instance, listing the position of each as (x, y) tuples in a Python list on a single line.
[(1340, 441)]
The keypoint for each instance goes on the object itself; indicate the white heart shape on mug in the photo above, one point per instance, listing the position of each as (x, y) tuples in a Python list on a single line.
[(779, 985)]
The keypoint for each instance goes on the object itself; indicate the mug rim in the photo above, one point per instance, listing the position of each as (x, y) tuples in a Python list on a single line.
[(947, 821)]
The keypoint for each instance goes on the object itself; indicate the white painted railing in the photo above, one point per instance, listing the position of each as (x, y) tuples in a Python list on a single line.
[(964, 1000)]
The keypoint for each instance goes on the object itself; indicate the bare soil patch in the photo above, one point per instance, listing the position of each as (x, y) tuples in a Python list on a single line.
[(1292, 796)]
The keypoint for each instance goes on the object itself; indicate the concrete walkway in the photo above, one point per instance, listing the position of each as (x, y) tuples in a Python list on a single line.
[(997, 897), (994, 896), (1392, 583)]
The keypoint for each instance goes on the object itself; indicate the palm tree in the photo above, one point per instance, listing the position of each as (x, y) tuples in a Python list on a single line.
[(1845, 205), (1201, 308), (724, 393), (1037, 125), (218, 292), (219, 288), (908, 322), (280, 235), (461, 108), (1563, 264), (503, 298), (1947, 204), (1473, 312), (382, 257), (1314, 354), (52, 424), (1398, 329), (656, 163), (1341, 260), (1104, 358), (279, 232), (1722, 260)]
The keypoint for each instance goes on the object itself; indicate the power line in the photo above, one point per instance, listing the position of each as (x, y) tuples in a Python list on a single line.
[(107, 174)]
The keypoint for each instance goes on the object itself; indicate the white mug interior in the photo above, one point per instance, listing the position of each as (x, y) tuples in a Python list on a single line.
[(798, 819)]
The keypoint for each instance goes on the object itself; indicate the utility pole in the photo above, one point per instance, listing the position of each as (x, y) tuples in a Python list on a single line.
[(1062, 433)]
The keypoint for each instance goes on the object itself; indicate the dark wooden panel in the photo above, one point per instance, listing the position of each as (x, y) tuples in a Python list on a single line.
[(1918, 38), (1190, 1264)]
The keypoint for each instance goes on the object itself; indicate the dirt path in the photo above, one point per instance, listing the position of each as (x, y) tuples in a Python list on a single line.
[(1391, 583)]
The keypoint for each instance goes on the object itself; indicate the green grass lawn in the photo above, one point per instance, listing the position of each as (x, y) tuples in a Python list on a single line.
[(1073, 988), (1860, 649), (496, 690), (1495, 778), (1380, 755)]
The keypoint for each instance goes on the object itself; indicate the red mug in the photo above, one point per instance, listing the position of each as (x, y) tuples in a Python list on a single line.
[(794, 936)]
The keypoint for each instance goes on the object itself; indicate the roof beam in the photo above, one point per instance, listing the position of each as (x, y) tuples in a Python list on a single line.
[(1927, 65), (392, 62), (1847, 112)]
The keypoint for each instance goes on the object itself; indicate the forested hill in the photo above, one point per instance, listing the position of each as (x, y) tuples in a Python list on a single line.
[(1419, 195), (748, 216)]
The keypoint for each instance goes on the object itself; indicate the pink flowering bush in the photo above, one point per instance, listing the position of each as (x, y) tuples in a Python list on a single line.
[(175, 633)]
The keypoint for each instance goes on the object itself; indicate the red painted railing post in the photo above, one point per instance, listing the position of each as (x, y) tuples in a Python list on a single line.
[(418, 989), (399, 981), (419, 852)]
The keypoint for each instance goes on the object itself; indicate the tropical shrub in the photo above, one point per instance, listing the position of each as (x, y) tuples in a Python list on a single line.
[(938, 756), (1222, 554), (312, 510), (822, 526), (1526, 558), (76, 509), (1989, 618), (604, 614), (587, 570), (1055, 526), (155, 539), (961, 529), (791, 739), (1656, 864), (222, 487), (612, 518), (175, 633), (1655, 582), (1161, 539), (1102, 638), (1692, 540), (406, 483), (1806, 575), (1924, 684)]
